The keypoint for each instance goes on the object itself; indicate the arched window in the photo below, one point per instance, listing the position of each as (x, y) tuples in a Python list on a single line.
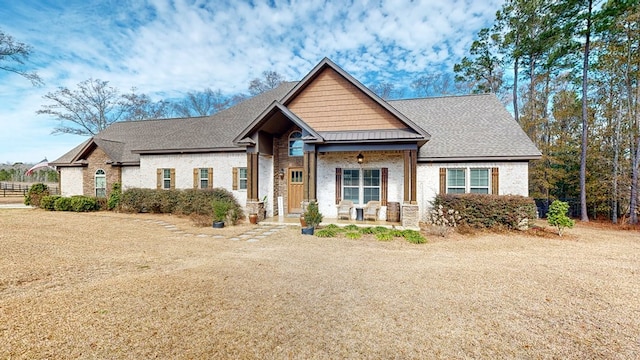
[(101, 183), (295, 144)]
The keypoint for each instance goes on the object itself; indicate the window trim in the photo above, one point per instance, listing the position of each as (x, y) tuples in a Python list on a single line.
[(166, 178), (201, 178), (96, 176), (361, 185), (240, 178), (467, 189), (291, 144)]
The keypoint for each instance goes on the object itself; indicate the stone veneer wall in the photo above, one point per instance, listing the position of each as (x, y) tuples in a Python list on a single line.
[(98, 160), (410, 217)]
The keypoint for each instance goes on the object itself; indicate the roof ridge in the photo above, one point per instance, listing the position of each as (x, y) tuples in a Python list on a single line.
[(440, 97)]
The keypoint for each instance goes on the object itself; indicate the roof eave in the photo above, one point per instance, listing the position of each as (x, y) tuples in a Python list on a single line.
[(186, 151), (443, 159)]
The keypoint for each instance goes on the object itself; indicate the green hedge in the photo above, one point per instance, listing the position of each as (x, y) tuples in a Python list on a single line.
[(63, 204), (35, 194), (77, 203), (185, 202), (489, 211), (48, 202)]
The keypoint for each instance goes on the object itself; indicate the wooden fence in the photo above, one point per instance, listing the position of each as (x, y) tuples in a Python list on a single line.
[(21, 189)]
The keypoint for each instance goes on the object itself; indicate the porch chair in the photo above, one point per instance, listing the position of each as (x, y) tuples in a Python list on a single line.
[(371, 210), (344, 209)]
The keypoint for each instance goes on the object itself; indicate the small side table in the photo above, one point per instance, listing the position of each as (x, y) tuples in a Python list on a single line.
[(359, 214)]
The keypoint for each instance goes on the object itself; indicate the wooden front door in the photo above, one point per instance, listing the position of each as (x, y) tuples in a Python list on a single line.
[(294, 190)]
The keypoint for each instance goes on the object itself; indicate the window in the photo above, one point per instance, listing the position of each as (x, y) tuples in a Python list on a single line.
[(101, 183), (476, 182), (361, 184), (371, 185), (455, 181), (351, 185), (166, 178), (479, 181), (295, 144), (242, 178), (204, 178)]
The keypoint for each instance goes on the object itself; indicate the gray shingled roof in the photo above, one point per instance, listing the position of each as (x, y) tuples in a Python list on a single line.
[(124, 141), (466, 128), (472, 127)]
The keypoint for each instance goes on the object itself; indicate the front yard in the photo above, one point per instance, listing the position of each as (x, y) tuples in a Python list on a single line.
[(107, 285)]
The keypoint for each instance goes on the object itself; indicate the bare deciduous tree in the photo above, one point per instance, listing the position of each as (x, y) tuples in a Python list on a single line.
[(270, 80), (13, 55), (386, 90), (202, 103), (141, 107), (94, 105)]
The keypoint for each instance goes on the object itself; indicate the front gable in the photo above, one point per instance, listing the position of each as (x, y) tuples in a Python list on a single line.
[(332, 107), (332, 103)]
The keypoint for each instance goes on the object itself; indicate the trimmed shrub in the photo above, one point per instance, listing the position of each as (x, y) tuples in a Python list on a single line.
[(35, 194), (489, 211), (48, 202), (63, 204), (115, 196), (136, 200), (101, 203), (184, 202), (80, 203)]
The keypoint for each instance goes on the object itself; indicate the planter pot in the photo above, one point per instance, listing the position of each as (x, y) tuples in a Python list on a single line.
[(307, 231), (253, 219), (218, 224)]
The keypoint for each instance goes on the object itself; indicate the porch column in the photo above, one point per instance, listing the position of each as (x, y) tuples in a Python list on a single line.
[(410, 176), (309, 173), (252, 176)]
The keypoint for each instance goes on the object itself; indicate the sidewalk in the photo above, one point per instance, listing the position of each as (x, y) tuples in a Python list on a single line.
[(16, 206)]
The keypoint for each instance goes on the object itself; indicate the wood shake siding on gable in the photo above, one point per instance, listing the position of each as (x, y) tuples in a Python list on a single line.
[(331, 103)]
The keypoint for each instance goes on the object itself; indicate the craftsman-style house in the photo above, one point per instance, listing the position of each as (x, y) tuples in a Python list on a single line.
[(326, 138)]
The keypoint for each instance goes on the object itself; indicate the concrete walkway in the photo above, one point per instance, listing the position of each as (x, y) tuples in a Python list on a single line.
[(16, 206)]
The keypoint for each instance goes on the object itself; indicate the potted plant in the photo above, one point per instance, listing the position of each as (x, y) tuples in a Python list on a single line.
[(312, 217), (220, 212)]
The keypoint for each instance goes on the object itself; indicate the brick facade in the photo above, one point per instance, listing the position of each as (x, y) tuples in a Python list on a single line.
[(98, 160), (282, 161)]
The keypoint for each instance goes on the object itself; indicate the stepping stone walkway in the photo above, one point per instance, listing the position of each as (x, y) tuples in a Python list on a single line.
[(253, 235)]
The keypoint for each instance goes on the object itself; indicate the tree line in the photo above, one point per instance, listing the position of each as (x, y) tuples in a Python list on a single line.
[(570, 70)]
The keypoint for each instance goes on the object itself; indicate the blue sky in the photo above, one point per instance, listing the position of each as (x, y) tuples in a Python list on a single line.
[(165, 48)]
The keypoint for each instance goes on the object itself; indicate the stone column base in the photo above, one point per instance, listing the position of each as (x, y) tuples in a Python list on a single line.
[(410, 216), (256, 207)]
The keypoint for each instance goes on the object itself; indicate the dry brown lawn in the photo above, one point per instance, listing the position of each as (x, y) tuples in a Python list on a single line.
[(11, 199), (107, 285)]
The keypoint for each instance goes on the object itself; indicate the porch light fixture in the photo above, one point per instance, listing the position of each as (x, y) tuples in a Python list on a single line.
[(360, 158), (281, 173)]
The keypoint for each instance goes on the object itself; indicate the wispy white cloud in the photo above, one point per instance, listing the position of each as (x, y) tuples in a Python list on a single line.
[(167, 47)]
